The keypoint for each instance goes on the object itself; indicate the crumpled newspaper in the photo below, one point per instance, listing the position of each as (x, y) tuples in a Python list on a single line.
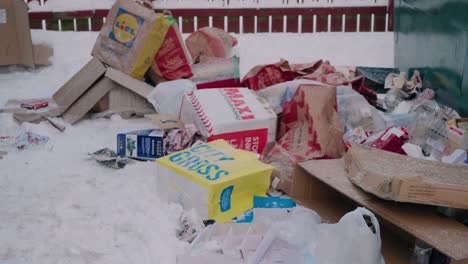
[(182, 138), (109, 158), (190, 226)]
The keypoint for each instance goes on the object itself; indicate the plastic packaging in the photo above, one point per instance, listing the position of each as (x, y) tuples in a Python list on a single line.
[(421, 253), (216, 73), (355, 111), (210, 41), (166, 97), (354, 239), (278, 94)]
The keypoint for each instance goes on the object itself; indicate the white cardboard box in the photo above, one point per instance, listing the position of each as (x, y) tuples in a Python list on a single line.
[(233, 114)]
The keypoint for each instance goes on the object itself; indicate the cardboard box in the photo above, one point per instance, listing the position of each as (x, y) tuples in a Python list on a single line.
[(16, 44), (149, 143), (233, 114), (323, 186), (142, 144), (215, 179), (95, 81), (405, 179), (457, 134)]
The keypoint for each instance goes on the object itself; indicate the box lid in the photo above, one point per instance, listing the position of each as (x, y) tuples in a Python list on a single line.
[(213, 163)]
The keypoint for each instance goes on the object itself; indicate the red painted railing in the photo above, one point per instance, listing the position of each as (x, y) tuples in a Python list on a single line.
[(324, 19)]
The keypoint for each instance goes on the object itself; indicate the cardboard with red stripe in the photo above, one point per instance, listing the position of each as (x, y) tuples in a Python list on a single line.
[(233, 114)]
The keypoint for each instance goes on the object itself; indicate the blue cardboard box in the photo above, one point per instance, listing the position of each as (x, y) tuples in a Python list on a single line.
[(142, 144)]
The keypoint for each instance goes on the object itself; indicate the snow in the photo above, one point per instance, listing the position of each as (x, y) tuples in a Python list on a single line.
[(72, 5), (59, 206)]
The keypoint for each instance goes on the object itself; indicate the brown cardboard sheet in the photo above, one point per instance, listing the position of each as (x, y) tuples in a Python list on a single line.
[(79, 83), (16, 47), (86, 102), (402, 178)]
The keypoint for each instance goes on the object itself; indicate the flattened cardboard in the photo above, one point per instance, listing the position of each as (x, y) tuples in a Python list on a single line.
[(134, 85), (42, 54), (405, 179), (36, 117), (129, 94), (86, 102), (418, 221), (121, 99), (79, 83), (15, 43), (93, 83), (165, 122)]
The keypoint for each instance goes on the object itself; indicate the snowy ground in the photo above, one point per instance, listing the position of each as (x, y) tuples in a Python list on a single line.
[(59, 206)]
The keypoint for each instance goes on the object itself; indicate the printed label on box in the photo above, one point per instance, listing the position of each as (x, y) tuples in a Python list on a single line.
[(3, 16), (251, 140), (225, 200), (125, 28), (145, 144)]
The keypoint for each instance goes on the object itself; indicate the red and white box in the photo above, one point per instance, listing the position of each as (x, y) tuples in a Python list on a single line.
[(233, 114)]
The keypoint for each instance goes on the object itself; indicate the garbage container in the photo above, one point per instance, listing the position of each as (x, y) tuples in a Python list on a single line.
[(432, 36)]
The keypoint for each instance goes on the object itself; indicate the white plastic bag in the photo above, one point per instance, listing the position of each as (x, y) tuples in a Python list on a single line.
[(351, 240), (167, 97), (355, 111)]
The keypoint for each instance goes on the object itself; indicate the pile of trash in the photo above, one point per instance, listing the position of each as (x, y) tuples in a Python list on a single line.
[(226, 147)]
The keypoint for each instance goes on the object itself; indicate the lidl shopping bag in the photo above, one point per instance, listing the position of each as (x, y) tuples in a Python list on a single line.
[(130, 38), (214, 178)]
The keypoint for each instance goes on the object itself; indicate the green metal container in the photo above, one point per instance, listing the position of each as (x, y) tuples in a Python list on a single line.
[(432, 36)]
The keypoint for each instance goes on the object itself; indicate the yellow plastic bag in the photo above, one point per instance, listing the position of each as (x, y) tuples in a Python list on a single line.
[(216, 179)]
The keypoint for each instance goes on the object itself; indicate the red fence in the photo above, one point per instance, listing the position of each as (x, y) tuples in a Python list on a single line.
[(333, 19)]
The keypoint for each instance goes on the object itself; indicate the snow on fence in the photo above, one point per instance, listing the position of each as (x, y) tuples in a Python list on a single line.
[(241, 20), (69, 5)]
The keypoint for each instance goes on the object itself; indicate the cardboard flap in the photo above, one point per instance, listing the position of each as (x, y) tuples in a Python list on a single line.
[(165, 122), (15, 43), (42, 54), (136, 86), (89, 99), (79, 83), (447, 235)]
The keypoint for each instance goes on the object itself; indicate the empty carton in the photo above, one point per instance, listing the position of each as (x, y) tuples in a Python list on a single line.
[(215, 179), (233, 114)]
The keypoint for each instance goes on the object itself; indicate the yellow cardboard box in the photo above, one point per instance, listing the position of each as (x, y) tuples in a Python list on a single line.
[(214, 178)]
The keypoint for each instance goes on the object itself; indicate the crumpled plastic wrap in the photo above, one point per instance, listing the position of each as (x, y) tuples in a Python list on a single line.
[(109, 158), (354, 111), (210, 41), (180, 139)]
